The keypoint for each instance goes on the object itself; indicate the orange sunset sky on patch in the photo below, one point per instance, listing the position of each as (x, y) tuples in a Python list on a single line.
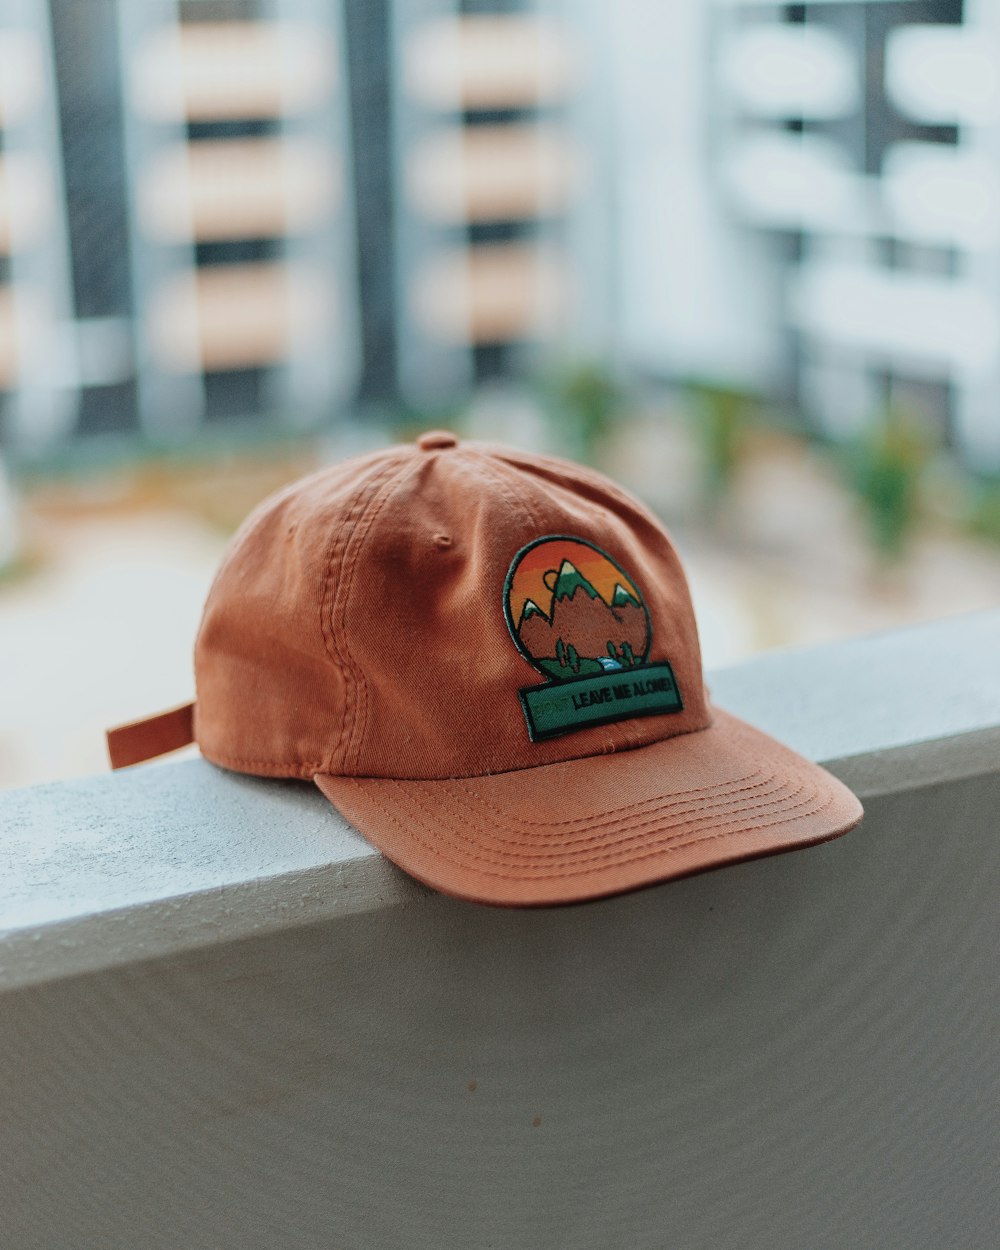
[(528, 581)]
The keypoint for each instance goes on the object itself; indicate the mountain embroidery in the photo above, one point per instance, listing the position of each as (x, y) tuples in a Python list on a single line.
[(579, 631), (578, 617)]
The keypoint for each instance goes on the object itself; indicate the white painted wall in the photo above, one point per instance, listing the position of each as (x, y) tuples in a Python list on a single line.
[(697, 294)]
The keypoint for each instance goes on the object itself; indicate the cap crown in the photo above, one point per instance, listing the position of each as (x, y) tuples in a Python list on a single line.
[(366, 621)]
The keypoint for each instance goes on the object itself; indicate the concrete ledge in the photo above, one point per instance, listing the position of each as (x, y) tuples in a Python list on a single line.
[(798, 1051), (167, 858)]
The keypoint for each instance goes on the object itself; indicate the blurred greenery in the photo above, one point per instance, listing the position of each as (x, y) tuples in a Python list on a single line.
[(886, 465), (583, 402), (984, 510), (722, 414), (591, 413), (19, 569)]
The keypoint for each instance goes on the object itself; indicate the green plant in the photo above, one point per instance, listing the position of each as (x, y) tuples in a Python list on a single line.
[(722, 414), (887, 464), (561, 653), (583, 402), (629, 654), (573, 656), (984, 510)]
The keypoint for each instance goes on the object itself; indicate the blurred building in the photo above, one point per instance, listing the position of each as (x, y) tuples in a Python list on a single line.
[(860, 142), (36, 289), (214, 211), (502, 227), (201, 256)]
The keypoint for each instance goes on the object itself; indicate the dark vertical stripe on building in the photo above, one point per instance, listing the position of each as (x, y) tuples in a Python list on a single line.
[(369, 65)]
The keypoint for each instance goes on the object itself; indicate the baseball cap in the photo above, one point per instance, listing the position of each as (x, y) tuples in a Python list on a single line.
[(488, 661)]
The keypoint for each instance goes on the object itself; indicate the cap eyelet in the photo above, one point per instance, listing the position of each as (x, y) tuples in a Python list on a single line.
[(437, 440)]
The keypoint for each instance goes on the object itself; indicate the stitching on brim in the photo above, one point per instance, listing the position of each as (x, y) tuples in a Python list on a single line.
[(614, 815), (524, 822), (640, 829), (595, 828), (659, 851)]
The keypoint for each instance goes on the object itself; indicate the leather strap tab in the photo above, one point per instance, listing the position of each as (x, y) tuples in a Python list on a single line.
[(156, 735)]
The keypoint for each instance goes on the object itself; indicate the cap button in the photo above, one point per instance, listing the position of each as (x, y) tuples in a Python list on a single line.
[(436, 440)]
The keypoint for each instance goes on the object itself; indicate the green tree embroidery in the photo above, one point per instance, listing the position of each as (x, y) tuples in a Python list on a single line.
[(561, 652), (612, 651), (628, 653), (574, 658)]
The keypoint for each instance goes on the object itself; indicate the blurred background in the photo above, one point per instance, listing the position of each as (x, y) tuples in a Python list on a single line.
[(743, 257)]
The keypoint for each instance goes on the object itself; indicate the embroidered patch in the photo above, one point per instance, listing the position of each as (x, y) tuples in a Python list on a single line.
[(579, 618)]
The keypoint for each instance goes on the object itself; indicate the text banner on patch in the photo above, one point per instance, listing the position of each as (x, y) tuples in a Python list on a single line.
[(561, 707)]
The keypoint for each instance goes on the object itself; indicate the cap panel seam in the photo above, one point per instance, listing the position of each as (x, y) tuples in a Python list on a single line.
[(367, 494), (359, 719), (330, 642), (514, 501), (264, 508), (583, 473), (290, 768)]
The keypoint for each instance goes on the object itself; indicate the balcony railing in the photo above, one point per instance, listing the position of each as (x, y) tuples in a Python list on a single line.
[(227, 1022)]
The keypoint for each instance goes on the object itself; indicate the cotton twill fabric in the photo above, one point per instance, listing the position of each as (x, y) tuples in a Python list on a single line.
[(357, 626), (587, 828), (357, 634)]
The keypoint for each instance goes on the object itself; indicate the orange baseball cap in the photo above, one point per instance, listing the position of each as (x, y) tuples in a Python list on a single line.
[(488, 662)]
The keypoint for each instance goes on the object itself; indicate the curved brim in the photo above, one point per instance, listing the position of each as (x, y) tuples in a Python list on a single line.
[(562, 833)]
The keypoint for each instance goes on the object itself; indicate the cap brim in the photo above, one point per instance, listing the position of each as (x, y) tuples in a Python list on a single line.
[(585, 828)]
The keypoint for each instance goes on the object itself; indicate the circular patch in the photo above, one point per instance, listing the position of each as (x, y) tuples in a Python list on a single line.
[(574, 612)]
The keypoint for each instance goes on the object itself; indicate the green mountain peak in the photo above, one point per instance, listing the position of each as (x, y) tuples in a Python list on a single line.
[(569, 581), (622, 597), (529, 610)]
